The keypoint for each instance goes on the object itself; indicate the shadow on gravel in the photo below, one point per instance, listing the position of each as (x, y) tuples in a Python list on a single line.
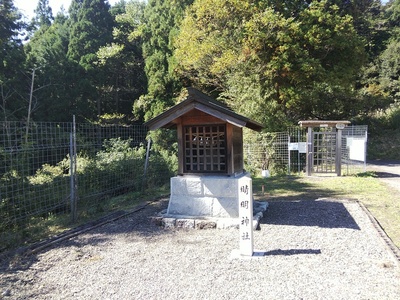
[(321, 213), (289, 252), (386, 175)]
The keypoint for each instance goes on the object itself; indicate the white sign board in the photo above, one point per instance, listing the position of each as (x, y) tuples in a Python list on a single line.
[(301, 147), (245, 216), (293, 146), (356, 147)]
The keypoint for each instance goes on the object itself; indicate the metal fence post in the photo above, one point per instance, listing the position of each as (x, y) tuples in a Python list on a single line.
[(288, 153), (73, 182), (339, 152), (310, 150), (146, 163)]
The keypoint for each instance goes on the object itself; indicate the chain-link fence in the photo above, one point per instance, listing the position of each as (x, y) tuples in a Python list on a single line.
[(53, 168)]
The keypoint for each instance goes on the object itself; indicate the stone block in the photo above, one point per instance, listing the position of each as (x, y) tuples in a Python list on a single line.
[(169, 223), (185, 223), (224, 207), (178, 186), (194, 186), (158, 221), (220, 187), (189, 206), (186, 186), (205, 224)]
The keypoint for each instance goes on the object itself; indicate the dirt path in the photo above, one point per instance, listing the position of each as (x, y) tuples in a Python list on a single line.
[(387, 171)]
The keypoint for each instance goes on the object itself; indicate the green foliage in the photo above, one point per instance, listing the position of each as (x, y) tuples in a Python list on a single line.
[(122, 60), (384, 133), (43, 14), (46, 52), (390, 69), (12, 59), (162, 166), (366, 174), (11, 23), (24, 195), (162, 20), (92, 30), (97, 174), (46, 174), (274, 61), (282, 62)]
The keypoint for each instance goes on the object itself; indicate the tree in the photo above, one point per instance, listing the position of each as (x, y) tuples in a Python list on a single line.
[(11, 60), (47, 54), (43, 14), (390, 70), (392, 14), (91, 28), (122, 60), (162, 20), (390, 57), (272, 67)]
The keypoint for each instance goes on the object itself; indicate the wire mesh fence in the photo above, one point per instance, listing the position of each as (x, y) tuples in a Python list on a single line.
[(268, 153), (36, 168), (34, 173), (354, 149), (74, 169), (285, 152)]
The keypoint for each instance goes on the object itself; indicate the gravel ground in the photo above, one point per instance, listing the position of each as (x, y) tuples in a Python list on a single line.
[(323, 249)]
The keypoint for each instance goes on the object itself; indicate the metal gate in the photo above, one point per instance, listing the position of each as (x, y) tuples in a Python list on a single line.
[(325, 147)]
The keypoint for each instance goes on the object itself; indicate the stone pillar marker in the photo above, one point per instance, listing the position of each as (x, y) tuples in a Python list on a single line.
[(245, 196)]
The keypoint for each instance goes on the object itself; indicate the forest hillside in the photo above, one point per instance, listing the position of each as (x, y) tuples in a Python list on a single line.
[(276, 61)]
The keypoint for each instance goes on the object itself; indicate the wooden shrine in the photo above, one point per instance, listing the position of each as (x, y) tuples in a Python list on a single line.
[(210, 135), (210, 156)]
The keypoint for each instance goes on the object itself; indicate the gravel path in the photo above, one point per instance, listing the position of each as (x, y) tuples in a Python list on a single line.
[(323, 249), (387, 171)]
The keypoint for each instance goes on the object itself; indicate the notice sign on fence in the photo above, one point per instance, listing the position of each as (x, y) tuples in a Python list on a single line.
[(245, 216), (301, 147)]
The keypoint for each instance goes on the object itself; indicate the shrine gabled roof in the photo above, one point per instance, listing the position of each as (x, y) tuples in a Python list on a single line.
[(202, 102)]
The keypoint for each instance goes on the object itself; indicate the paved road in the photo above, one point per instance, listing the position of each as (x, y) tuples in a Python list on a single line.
[(387, 171)]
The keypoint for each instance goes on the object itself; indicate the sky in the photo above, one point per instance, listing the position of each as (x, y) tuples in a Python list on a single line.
[(28, 6)]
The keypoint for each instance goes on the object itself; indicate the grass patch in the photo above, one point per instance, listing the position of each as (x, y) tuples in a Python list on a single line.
[(380, 200)]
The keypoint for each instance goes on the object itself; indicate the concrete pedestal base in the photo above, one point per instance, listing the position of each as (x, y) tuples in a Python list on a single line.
[(205, 202), (204, 196)]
